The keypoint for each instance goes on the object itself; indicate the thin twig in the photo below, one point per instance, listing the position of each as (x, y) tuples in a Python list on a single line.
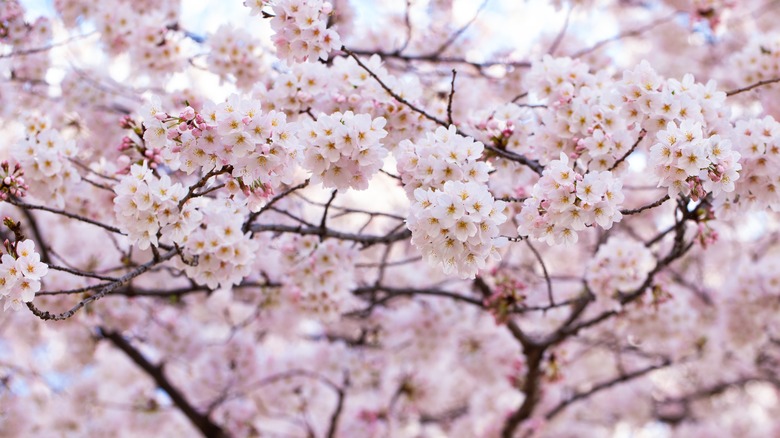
[(34, 50), (449, 100), (21, 204), (752, 86), (559, 37), (645, 207), (108, 288), (544, 270), (459, 32), (639, 139), (391, 92)]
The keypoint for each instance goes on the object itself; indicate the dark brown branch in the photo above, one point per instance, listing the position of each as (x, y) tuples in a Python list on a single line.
[(391, 92), (641, 137), (365, 239), (408, 23), (442, 59), (270, 203), (604, 385), (622, 35), (752, 86), (106, 289), (36, 231), (80, 273), (394, 292), (645, 207), (531, 389), (202, 422), (21, 204), (325, 213), (452, 94), (511, 156), (334, 418), (202, 182), (544, 270)]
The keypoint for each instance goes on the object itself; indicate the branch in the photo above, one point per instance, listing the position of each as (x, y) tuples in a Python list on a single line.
[(752, 86), (646, 207), (559, 37), (202, 422), (365, 239), (452, 94), (391, 92), (442, 59), (21, 204), (678, 250), (544, 270), (34, 50), (533, 164), (531, 389), (620, 36), (325, 213), (395, 292), (408, 23), (81, 273), (106, 289), (334, 418), (270, 203), (459, 32), (642, 134), (44, 250), (604, 385), (202, 182), (511, 156)]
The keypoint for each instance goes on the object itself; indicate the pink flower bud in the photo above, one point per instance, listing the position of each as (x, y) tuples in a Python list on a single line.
[(188, 113)]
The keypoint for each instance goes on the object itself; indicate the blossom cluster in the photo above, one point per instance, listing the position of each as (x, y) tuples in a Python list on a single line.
[(653, 101), (10, 11), (154, 47), (46, 158), (442, 156), (581, 116), (146, 204), (758, 60), (343, 150), (620, 265), (222, 254), (26, 37), (507, 127), (564, 202), (12, 181), (692, 155), (233, 53), (309, 87), (319, 274), (259, 146), (691, 165), (456, 226), (301, 29), (21, 270), (758, 188)]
